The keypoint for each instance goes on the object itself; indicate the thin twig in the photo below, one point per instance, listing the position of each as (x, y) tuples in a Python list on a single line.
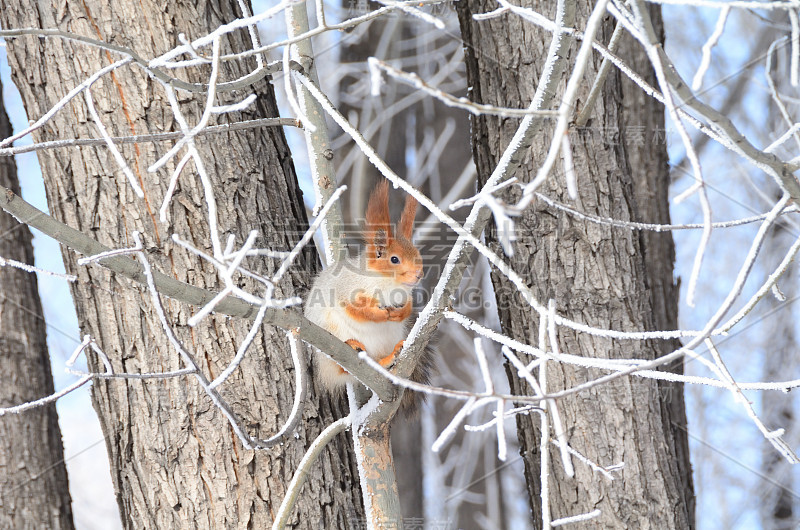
[(450, 100), (168, 286), (142, 138), (303, 469)]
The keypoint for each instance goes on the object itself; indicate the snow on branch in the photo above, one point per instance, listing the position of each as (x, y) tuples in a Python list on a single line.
[(5, 262), (310, 103), (303, 469), (116, 261), (87, 342), (143, 138), (377, 65)]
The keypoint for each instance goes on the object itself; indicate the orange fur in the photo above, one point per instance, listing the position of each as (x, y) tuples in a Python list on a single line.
[(379, 223), (389, 254), (389, 359), (356, 345), (406, 226), (378, 208), (398, 314), (398, 347), (366, 309)]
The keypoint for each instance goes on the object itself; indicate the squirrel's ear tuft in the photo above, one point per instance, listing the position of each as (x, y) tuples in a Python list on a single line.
[(406, 227), (378, 212), (380, 242)]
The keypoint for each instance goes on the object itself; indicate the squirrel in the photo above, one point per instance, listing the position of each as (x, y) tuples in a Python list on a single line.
[(367, 301)]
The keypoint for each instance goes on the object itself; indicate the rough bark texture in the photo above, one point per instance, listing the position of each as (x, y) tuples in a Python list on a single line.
[(378, 478), (595, 274), (645, 140), (34, 492), (175, 461), (778, 410)]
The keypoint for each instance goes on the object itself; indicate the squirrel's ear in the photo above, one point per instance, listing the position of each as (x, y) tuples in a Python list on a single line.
[(406, 227), (379, 242), (378, 212)]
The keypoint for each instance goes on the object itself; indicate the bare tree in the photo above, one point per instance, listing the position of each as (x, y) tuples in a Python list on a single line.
[(174, 459), (34, 491), (201, 408), (779, 506), (576, 267)]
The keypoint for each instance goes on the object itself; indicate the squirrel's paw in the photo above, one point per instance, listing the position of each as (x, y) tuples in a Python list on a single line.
[(398, 313), (388, 361), (398, 348), (356, 345)]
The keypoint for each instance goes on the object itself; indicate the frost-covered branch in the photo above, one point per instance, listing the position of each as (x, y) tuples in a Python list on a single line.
[(168, 286), (300, 474), (320, 155), (377, 65), (143, 138)]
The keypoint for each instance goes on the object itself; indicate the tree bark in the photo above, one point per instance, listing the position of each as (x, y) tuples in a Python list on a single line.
[(34, 491), (777, 508), (596, 275), (175, 461), (644, 137)]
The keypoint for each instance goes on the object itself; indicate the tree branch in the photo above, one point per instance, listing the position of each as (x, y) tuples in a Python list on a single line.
[(172, 288), (318, 141), (159, 137), (299, 478)]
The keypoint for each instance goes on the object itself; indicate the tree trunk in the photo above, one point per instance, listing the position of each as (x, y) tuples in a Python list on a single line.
[(644, 137), (34, 491), (175, 461), (596, 274), (778, 506), (778, 409)]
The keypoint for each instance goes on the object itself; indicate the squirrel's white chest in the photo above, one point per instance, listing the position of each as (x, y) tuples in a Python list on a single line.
[(379, 338)]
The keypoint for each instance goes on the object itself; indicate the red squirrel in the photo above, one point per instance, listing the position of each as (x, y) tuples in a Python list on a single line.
[(367, 301)]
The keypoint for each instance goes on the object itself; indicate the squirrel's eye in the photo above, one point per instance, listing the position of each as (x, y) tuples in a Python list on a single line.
[(395, 260)]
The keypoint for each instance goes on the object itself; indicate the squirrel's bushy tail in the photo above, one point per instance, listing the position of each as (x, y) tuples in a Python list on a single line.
[(411, 400)]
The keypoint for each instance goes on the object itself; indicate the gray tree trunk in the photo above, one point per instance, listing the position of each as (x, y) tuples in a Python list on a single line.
[(595, 274), (778, 409), (645, 140), (175, 461), (34, 491), (778, 507)]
